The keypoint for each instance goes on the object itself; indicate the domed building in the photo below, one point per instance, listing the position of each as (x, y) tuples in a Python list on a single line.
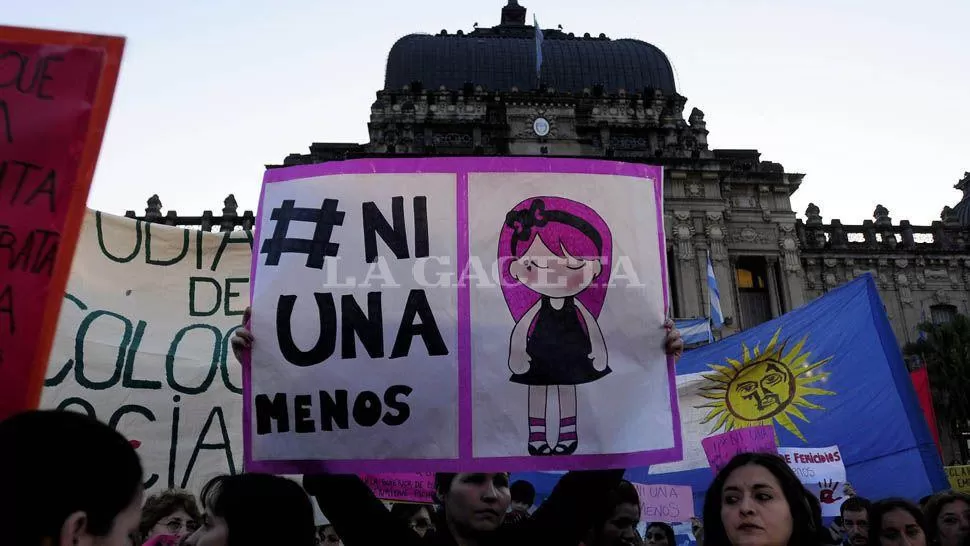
[(478, 93)]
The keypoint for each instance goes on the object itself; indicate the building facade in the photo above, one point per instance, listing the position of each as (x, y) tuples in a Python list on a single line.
[(479, 94)]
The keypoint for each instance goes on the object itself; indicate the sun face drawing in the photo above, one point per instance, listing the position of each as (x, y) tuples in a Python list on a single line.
[(764, 387)]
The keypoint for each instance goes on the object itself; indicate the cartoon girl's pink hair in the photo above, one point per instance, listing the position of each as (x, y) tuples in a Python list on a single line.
[(560, 223)]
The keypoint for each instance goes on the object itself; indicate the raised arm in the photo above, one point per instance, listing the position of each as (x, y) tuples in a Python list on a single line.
[(566, 516), (357, 515), (518, 359)]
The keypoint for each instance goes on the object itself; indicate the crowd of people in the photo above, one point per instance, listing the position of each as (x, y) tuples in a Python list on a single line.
[(73, 481)]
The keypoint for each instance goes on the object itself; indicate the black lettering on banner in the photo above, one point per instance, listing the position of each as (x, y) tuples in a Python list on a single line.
[(7, 309), (230, 294), (171, 261), (75, 401), (100, 230), (34, 84), (213, 362), (369, 328), (422, 243), (375, 223), (7, 129), (140, 410), (392, 403), (224, 361), (227, 239), (60, 376), (316, 249), (417, 306), (327, 341), (49, 187), (334, 410), (200, 445), (302, 404), (34, 254), (268, 411), (367, 409), (127, 379), (173, 448), (82, 332), (194, 311)]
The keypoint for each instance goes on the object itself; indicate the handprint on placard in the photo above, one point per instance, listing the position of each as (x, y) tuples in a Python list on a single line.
[(826, 494)]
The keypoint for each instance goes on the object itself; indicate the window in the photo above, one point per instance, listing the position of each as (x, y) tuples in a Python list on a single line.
[(942, 314), (753, 302)]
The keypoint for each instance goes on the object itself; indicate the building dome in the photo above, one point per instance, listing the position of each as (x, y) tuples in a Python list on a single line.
[(503, 57)]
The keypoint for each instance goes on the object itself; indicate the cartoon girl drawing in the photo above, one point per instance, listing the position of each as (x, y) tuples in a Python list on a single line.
[(558, 255)]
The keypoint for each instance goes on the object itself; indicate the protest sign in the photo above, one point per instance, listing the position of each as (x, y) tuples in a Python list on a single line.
[(453, 320), (402, 487), (721, 448), (959, 477), (55, 93), (143, 344), (669, 503), (822, 472)]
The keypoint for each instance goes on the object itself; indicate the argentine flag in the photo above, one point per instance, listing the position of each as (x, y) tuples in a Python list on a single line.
[(717, 317)]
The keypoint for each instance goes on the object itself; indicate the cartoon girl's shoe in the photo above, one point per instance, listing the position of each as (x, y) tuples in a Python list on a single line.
[(541, 451)]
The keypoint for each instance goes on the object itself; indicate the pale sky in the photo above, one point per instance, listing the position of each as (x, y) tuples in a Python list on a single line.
[(870, 99)]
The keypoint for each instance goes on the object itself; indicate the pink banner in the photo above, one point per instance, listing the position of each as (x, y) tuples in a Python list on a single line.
[(55, 93), (402, 487), (720, 449), (669, 503)]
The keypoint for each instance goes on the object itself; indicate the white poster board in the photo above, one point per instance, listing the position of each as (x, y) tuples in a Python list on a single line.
[(822, 472), (427, 315)]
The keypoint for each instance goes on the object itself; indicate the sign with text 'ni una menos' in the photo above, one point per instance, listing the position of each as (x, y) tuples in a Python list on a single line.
[(443, 314), (55, 93)]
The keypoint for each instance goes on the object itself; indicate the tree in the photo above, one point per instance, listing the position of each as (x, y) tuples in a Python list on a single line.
[(945, 351)]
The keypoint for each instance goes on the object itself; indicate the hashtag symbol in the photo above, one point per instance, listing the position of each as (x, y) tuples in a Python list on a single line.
[(316, 249)]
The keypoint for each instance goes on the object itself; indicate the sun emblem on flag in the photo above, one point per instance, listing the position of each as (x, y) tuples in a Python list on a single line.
[(764, 387)]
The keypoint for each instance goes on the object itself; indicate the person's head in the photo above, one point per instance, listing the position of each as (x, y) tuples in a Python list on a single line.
[(855, 520), (948, 518), (254, 509), (327, 536), (523, 495), (896, 522), (171, 512), (473, 503), (417, 516), (555, 247), (615, 521), (756, 500), (67, 479), (659, 533)]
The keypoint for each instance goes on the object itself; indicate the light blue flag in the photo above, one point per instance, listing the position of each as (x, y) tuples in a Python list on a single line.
[(827, 373), (538, 49), (717, 317), (694, 331)]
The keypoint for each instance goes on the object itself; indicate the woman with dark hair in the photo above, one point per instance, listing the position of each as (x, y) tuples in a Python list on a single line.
[(67, 479), (256, 510), (416, 516), (473, 505), (896, 522), (659, 533), (948, 518), (172, 512), (757, 500), (615, 521)]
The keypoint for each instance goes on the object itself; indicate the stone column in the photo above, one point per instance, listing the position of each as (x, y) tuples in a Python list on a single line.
[(771, 270), (686, 257), (792, 277)]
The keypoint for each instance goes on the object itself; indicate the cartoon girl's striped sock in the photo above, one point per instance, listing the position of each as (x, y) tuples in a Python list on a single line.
[(537, 432), (567, 431)]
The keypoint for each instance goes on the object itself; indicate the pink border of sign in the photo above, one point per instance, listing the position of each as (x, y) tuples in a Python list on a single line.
[(466, 462)]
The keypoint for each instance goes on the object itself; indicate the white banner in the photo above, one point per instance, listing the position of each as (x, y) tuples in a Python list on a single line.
[(142, 344), (430, 314), (822, 472)]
